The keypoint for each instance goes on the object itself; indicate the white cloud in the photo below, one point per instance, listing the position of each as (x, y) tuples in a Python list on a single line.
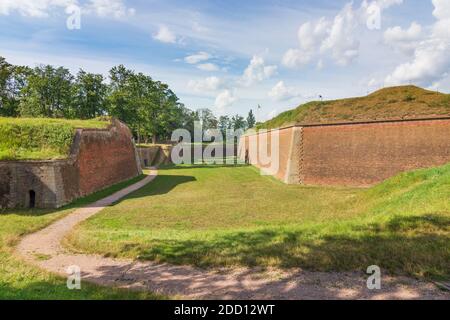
[(206, 85), (165, 35), (431, 60), (295, 58), (198, 57), (336, 38), (341, 41), (257, 71), (110, 8), (404, 40), (225, 99), (208, 67), (281, 93), (42, 8), (385, 4), (32, 8)]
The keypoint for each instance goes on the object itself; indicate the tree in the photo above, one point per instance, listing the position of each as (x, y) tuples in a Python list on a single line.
[(224, 124), (238, 122), (12, 80), (48, 93), (251, 120), (5, 76), (89, 96), (119, 98)]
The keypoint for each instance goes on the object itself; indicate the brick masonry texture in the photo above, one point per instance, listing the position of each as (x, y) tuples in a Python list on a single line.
[(98, 159), (360, 154)]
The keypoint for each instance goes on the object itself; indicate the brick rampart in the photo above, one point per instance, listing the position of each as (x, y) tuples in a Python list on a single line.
[(98, 159), (359, 154)]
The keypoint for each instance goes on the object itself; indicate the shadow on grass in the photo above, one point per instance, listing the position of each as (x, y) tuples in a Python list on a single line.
[(161, 185), (57, 290), (199, 166), (417, 246)]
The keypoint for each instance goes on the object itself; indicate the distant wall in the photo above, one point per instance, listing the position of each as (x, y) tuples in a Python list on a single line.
[(358, 154), (153, 156), (98, 159)]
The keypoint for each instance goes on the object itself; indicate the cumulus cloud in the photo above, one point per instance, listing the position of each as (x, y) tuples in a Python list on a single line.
[(206, 85), (324, 36), (225, 99), (335, 38), (198, 57), (404, 40), (42, 8), (431, 61), (32, 8), (257, 71), (294, 58), (165, 35), (280, 92), (208, 67)]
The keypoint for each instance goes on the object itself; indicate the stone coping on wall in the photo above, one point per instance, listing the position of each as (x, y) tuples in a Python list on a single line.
[(348, 123)]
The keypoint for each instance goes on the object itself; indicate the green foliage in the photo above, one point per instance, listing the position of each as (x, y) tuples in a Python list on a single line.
[(48, 93), (36, 139), (251, 120), (402, 225), (238, 122), (89, 96)]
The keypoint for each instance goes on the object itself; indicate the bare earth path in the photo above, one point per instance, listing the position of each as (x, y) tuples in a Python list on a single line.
[(192, 283)]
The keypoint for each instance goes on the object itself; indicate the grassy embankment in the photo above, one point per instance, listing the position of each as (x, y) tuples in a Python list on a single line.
[(40, 138), (404, 102), (231, 216), (19, 280)]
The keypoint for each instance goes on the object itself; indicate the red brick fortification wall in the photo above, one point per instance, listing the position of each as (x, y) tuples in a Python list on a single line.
[(285, 145), (106, 157), (365, 154)]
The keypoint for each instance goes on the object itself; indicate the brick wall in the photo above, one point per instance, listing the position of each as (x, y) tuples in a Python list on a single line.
[(358, 154), (285, 139), (365, 154), (105, 157), (99, 159)]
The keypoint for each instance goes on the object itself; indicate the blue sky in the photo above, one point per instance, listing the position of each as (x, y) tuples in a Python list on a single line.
[(232, 55)]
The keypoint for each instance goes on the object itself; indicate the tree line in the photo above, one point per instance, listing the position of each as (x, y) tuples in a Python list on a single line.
[(149, 107)]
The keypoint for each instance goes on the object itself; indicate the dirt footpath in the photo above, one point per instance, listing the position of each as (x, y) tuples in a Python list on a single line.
[(193, 283)]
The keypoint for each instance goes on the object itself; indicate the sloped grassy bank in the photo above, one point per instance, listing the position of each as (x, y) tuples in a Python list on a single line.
[(40, 138)]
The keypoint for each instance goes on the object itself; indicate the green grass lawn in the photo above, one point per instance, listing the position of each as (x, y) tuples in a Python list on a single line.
[(212, 216), (18, 280), (40, 138)]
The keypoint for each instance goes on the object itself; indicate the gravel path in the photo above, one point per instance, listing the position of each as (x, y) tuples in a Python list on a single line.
[(44, 249)]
